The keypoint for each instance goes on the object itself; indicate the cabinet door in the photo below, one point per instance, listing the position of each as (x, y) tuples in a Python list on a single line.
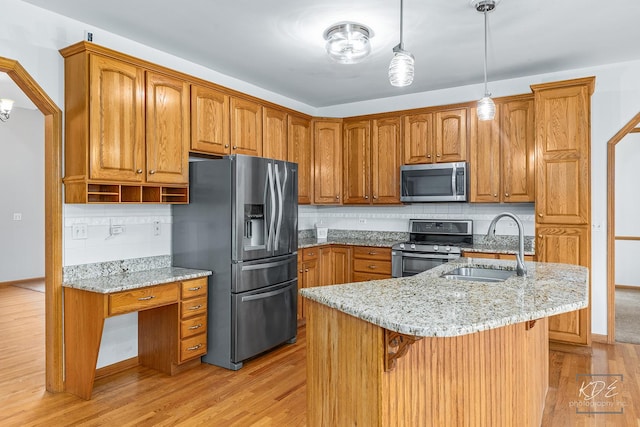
[(325, 267), (418, 139), (357, 162), (167, 124), (569, 245), (562, 155), (517, 151), (209, 121), (451, 135), (307, 278), (246, 127), (274, 123), (327, 162), (300, 152), (341, 257), (116, 120), (484, 175), (386, 158)]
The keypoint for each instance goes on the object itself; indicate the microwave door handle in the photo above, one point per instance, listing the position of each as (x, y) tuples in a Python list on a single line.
[(453, 181)]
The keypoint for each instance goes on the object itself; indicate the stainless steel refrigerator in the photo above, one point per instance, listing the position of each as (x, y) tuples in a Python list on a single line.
[(242, 223)]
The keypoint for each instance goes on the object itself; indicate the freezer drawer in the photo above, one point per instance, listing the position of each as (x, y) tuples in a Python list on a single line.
[(264, 319), (258, 274)]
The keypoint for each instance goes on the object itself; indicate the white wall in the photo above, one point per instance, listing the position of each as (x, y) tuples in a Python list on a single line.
[(33, 36), (627, 210), (22, 192)]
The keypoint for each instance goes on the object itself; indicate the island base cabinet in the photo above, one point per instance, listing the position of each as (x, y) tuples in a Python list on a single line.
[(497, 377)]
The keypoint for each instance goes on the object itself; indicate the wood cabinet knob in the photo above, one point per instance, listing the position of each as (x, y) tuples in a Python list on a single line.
[(300, 271), (151, 172), (540, 215), (540, 236), (437, 155), (373, 253), (373, 267), (428, 156), (506, 194), (375, 197), (235, 146), (226, 145), (495, 194), (337, 197), (306, 271), (139, 171), (366, 197)]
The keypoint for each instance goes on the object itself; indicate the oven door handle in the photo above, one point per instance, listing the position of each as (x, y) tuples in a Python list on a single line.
[(428, 256)]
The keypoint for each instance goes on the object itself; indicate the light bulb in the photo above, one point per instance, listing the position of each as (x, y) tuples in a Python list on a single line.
[(401, 68)]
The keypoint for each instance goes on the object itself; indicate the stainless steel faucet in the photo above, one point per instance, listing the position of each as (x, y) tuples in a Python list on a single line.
[(521, 270)]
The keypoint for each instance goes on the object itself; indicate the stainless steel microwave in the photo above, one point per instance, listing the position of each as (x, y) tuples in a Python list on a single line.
[(435, 182)]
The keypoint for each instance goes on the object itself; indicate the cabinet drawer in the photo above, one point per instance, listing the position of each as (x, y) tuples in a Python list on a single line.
[(142, 299), (366, 252), (193, 307), (192, 347), (372, 266), (309, 254), (363, 277), (194, 288), (194, 326)]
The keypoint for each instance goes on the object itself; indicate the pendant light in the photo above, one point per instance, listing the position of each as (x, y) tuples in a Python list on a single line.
[(486, 107), (401, 66), (5, 109)]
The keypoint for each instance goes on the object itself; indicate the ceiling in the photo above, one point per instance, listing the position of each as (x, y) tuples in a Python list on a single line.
[(278, 44)]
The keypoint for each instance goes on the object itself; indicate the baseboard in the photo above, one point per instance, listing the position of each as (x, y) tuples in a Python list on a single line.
[(635, 288), (105, 371), (603, 339), (570, 348), (22, 281)]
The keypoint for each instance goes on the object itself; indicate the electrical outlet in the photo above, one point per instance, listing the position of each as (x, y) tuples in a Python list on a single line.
[(156, 228), (116, 229), (17, 216), (79, 231), (362, 221)]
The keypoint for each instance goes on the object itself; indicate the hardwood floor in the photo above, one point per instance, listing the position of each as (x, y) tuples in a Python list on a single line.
[(268, 391)]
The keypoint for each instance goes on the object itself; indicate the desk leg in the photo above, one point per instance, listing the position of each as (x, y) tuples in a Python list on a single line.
[(84, 314)]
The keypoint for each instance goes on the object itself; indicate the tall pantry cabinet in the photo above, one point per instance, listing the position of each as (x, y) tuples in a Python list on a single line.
[(563, 202)]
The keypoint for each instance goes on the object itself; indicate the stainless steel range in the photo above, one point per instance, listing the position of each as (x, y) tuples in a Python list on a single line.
[(431, 243)]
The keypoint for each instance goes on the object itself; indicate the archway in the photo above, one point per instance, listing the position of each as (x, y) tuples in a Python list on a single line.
[(54, 380), (630, 127)]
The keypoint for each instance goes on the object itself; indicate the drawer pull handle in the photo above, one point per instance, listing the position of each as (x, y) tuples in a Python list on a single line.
[(146, 298), (197, 288), (195, 307), (373, 267), (198, 326), (373, 253), (195, 347)]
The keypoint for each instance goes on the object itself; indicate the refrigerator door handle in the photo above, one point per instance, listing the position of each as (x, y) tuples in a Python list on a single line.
[(280, 204), (272, 217)]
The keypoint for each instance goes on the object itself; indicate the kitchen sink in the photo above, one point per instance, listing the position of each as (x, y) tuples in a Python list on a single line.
[(479, 274)]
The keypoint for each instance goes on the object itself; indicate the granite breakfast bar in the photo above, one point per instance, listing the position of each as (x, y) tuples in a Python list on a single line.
[(426, 350)]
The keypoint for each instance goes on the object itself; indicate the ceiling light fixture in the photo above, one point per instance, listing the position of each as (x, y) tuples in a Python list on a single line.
[(5, 108), (348, 42), (486, 106), (401, 66)]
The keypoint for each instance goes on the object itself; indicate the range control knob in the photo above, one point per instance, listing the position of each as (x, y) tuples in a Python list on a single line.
[(401, 245), (448, 249), (436, 248), (413, 246)]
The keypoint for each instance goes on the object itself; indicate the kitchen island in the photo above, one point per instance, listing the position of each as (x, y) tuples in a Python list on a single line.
[(426, 350)]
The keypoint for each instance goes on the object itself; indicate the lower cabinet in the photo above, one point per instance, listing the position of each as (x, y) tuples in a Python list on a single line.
[(308, 274), (371, 263)]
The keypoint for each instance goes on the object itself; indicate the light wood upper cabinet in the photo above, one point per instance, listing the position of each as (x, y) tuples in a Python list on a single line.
[(418, 139), (357, 161), (209, 121), (275, 126), (386, 159), (563, 152), (301, 152), (436, 137), (116, 122), (167, 129), (327, 165), (246, 127), (502, 154), (372, 158)]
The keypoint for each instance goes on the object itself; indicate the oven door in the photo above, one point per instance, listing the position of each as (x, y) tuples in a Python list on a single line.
[(404, 264)]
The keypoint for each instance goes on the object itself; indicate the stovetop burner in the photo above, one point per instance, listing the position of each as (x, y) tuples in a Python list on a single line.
[(438, 236)]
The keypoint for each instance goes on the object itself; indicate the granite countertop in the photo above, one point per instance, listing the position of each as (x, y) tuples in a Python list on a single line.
[(312, 242), (430, 306), (134, 280)]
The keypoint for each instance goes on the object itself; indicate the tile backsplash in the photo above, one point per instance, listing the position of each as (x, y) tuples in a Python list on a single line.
[(396, 218)]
